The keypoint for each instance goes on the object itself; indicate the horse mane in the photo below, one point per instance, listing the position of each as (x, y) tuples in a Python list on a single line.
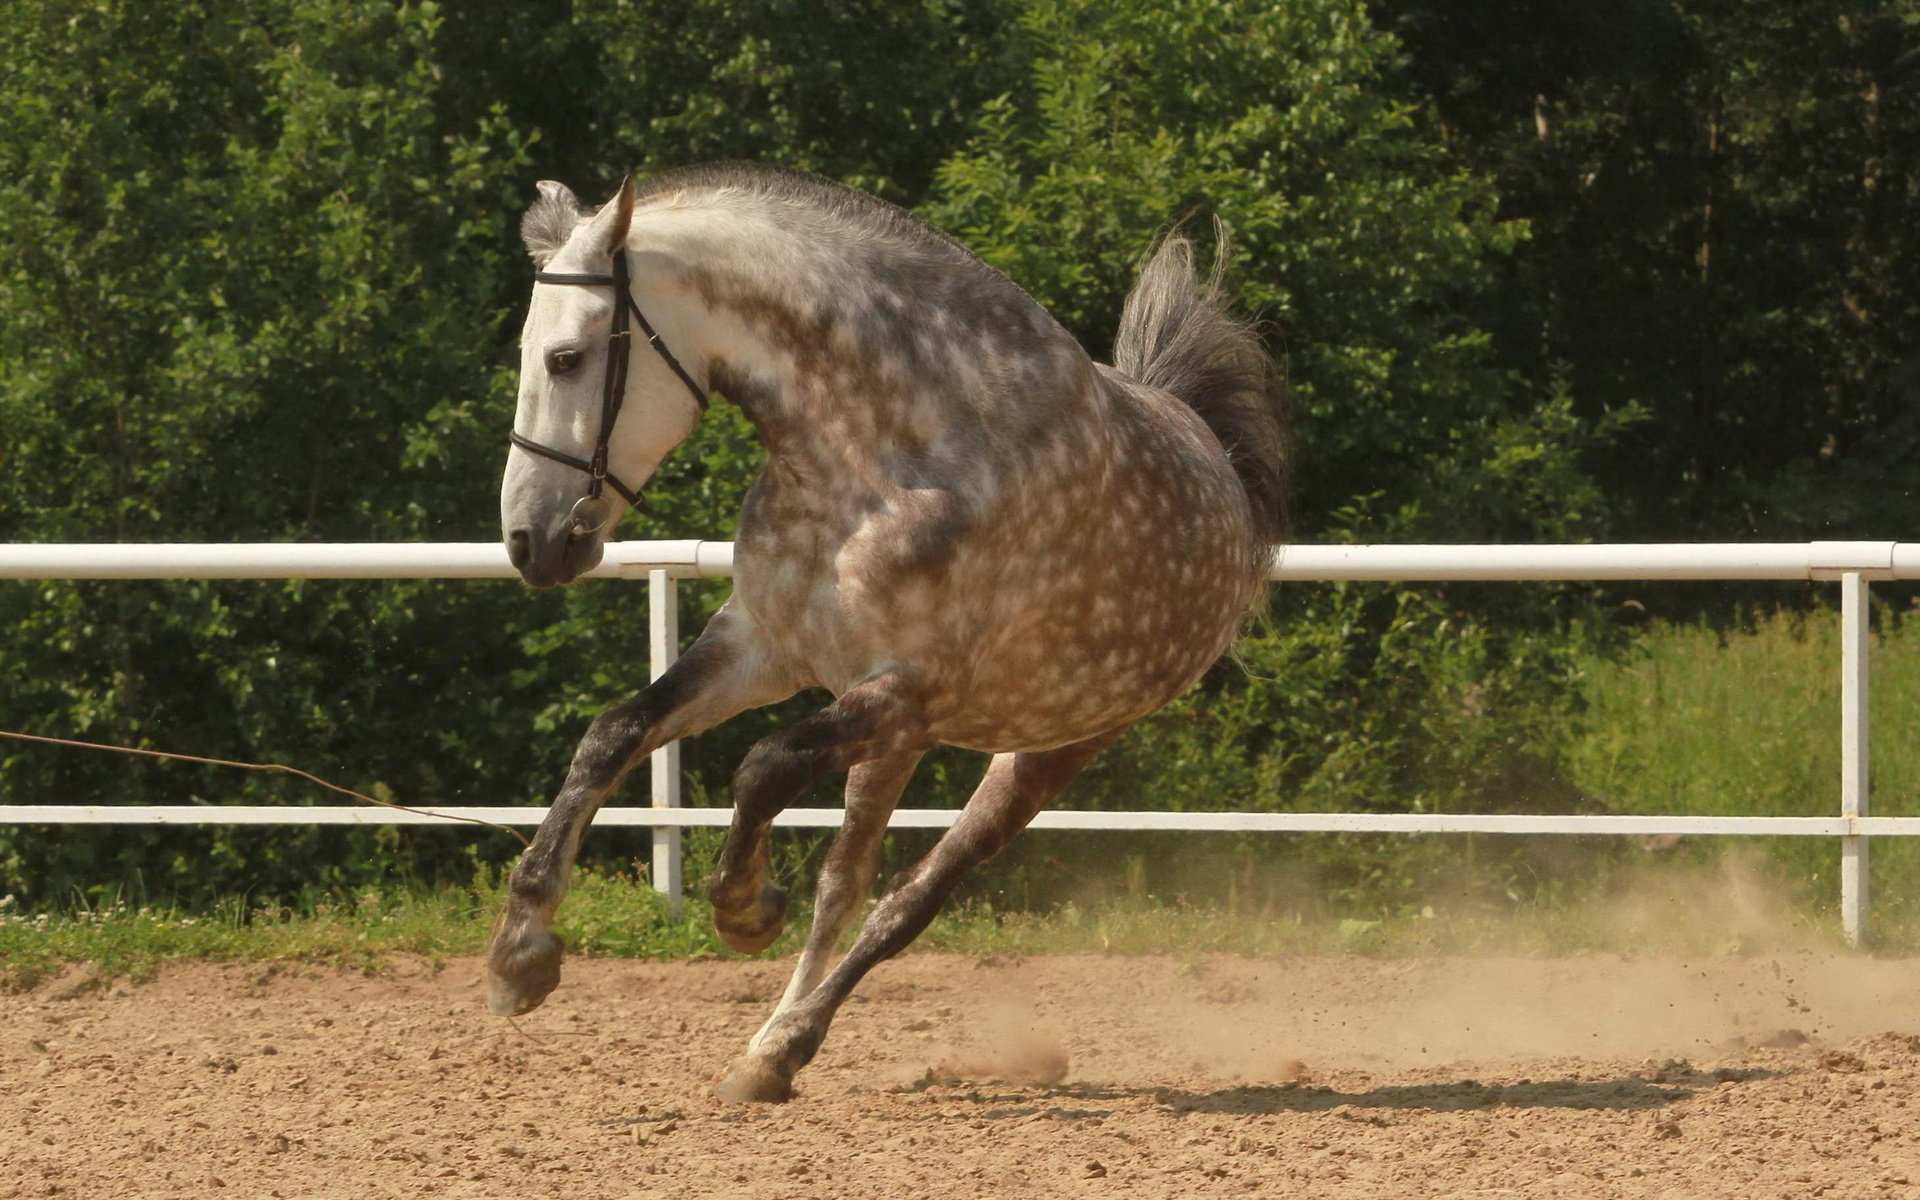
[(867, 213)]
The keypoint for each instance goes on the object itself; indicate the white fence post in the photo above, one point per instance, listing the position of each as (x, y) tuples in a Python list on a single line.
[(663, 636), (1855, 779)]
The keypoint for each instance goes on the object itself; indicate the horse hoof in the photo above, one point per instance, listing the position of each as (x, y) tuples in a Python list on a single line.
[(753, 928), (522, 969), (753, 1081)]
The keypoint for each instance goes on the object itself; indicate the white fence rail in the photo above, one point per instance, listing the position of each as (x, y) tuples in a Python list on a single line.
[(1853, 565)]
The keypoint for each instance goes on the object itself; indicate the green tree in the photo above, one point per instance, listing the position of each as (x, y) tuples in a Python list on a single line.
[(1723, 197), (261, 282), (1357, 234), (240, 258)]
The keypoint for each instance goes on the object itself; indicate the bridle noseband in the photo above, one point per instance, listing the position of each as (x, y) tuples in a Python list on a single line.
[(591, 512)]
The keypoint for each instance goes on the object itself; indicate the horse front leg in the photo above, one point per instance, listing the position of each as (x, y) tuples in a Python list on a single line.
[(720, 675), (1016, 787), (846, 877), (877, 718)]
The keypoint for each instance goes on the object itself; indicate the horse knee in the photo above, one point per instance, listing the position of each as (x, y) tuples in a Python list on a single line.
[(770, 774), (609, 748)]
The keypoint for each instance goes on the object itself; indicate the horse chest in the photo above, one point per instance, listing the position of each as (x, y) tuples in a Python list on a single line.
[(786, 578), (791, 602)]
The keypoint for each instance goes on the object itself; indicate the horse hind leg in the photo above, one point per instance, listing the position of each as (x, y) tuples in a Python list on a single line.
[(876, 718), (1016, 787), (846, 877)]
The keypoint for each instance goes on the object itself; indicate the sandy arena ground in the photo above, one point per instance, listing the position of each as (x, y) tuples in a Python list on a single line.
[(1597, 1077)]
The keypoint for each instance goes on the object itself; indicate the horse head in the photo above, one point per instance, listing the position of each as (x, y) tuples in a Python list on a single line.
[(592, 424)]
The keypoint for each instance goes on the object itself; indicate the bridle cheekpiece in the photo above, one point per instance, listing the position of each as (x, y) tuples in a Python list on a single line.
[(591, 512)]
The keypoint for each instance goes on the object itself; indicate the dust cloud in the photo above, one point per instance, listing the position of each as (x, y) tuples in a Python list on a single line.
[(1716, 961), (1009, 1042)]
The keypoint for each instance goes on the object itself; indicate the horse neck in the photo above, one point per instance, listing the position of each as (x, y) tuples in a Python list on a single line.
[(844, 354)]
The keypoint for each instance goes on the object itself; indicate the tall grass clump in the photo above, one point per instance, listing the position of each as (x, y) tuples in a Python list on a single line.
[(1702, 719)]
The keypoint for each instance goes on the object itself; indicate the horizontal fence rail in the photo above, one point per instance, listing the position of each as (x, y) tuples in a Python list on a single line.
[(1853, 565), (341, 560), (704, 559), (1583, 825)]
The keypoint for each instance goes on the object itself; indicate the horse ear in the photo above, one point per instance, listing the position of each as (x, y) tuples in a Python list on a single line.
[(551, 221), (613, 219)]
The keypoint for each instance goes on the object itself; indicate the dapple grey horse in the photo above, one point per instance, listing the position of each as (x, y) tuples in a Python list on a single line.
[(966, 530)]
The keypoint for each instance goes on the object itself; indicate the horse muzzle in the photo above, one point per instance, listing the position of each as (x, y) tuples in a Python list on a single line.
[(556, 555)]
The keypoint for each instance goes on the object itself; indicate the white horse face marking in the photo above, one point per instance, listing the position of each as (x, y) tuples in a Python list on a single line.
[(565, 357)]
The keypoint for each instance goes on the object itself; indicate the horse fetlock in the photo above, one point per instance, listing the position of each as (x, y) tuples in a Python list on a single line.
[(523, 967), (754, 1079), (751, 925)]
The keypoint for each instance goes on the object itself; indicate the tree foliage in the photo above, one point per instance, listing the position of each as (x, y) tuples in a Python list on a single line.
[(1723, 197), (1545, 276)]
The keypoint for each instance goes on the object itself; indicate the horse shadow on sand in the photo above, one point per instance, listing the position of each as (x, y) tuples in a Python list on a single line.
[(1640, 1091)]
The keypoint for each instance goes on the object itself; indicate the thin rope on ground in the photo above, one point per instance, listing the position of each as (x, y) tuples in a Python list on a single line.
[(253, 766)]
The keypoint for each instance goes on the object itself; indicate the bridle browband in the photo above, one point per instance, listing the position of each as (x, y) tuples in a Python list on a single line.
[(591, 512)]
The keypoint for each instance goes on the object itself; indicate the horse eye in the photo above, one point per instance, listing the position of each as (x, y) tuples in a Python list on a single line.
[(561, 361)]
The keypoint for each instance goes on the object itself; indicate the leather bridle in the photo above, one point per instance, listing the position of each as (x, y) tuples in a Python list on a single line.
[(591, 512)]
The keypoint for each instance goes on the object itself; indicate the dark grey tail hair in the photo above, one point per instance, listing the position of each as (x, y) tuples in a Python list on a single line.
[(1178, 334)]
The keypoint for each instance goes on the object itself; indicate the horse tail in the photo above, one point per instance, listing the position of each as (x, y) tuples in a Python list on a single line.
[(1178, 334)]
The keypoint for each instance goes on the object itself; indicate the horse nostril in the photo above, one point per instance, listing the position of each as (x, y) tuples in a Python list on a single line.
[(520, 548)]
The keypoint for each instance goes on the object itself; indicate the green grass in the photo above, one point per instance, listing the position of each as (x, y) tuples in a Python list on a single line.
[(1670, 909), (1698, 721), (1701, 721), (119, 939), (606, 915)]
